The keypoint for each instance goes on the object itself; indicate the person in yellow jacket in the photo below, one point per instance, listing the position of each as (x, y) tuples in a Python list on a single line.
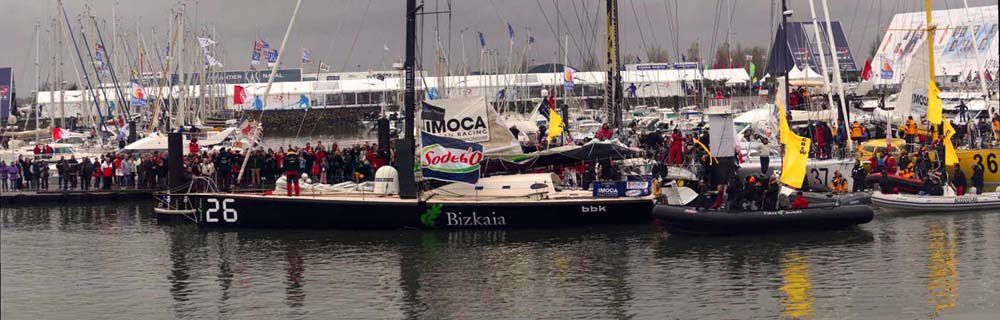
[(910, 131), (839, 185), (856, 131)]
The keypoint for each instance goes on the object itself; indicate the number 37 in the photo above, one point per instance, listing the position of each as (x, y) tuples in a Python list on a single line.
[(228, 214)]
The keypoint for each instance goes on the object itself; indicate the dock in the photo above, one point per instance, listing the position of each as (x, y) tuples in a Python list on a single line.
[(49, 196)]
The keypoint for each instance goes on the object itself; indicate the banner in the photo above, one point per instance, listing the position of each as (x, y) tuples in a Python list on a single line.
[(465, 119), (6, 81), (272, 57), (138, 94), (447, 159), (959, 35)]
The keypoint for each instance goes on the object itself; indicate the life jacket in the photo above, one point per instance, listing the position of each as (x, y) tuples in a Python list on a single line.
[(856, 130)]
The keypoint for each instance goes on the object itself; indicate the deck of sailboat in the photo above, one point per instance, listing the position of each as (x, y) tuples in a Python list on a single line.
[(563, 197)]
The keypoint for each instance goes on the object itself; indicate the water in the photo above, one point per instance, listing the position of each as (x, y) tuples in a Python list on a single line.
[(116, 261)]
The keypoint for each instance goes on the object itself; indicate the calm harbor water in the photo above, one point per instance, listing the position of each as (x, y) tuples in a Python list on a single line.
[(117, 262)]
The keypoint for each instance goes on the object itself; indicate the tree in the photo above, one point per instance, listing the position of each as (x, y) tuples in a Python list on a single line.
[(693, 52), (656, 54)]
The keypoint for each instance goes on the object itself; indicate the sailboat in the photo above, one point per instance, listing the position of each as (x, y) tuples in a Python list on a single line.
[(684, 214), (929, 104), (457, 137)]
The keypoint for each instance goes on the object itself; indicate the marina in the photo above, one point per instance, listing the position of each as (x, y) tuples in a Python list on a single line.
[(778, 177)]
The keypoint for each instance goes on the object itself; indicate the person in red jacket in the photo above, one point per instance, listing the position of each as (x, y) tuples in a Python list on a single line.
[(605, 133), (800, 201), (890, 165), (676, 148), (193, 146)]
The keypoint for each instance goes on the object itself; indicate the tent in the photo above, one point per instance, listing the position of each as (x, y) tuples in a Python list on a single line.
[(805, 77)]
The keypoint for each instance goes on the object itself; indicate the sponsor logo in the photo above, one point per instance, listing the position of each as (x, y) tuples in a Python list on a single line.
[(458, 128), (590, 209), (966, 200), (474, 219), (451, 160), (428, 217)]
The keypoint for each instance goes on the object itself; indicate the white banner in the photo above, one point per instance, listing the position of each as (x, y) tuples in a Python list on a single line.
[(466, 119)]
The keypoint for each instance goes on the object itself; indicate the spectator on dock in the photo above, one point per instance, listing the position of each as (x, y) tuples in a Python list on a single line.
[(3, 176), (14, 175)]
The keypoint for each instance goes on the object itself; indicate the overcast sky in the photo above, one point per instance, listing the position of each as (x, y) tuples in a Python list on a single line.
[(349, 33)]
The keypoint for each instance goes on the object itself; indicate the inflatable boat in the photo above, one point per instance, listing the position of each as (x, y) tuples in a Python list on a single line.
[(904, 185), (948, 203), (692, 220)]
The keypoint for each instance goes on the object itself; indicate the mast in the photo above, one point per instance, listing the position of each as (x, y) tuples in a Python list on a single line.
[(785, 13), (836, 73), (979, 62), (614, 78), (270, 81), (84, 66), (405, 148), (37, 84)]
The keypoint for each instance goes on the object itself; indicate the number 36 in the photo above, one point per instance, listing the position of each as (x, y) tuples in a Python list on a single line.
[(228, 214)]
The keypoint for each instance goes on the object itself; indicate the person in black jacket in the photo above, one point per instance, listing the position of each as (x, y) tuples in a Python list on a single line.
[(86, 172), (958, 180), (977, 178), (292, 169)]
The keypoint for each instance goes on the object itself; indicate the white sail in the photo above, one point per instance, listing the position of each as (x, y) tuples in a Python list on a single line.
[(912, 98)]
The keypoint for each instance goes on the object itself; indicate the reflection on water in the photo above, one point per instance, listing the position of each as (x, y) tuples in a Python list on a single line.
[(943, 280), (91, 261), (797, 287)]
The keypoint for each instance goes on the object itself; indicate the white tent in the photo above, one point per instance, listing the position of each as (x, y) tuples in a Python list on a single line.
[(804, 77), (732, 76)]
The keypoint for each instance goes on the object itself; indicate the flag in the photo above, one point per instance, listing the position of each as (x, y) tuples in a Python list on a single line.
[(950, 157), (304, 101), (385, 47), (166, 51), (205, 42), (753, 70), (57, 133), (531, 39), (323, 67), (272, 57), (568, 77), (239, 95), (556, 124), (100, 53), (793, 165), (138, 94), (482, 40), (866, 72), (211, 61), (934, 107), (510, 31), (258, 47), (306, 56)]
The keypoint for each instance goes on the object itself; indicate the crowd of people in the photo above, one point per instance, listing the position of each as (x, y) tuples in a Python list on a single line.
[(323, 164)]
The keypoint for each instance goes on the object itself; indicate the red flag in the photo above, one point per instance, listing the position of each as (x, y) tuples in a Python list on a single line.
[(867, 71), (56, 134), (247, 129), (239, 95)]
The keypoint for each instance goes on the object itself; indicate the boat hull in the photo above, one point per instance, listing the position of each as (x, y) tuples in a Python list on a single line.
[(258, 211), (819, 173), (946, 204), (690, 220)]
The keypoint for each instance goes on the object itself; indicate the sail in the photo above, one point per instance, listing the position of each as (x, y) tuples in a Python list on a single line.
[(470, 119), (912, 98)]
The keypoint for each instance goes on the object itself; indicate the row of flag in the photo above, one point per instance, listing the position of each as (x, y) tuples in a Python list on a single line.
[(510, 34)]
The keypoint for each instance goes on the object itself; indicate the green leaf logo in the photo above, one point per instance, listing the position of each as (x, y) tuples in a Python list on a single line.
[(431, 214)]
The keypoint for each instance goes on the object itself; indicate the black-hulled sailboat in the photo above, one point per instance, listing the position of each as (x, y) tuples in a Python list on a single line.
[(458, 138)]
